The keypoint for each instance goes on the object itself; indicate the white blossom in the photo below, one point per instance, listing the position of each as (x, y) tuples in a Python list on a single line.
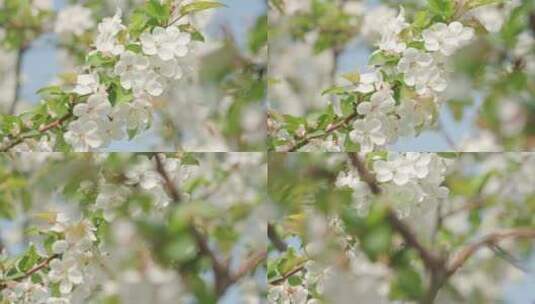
[(110, 197), (137, 114), (420, 71), (66, 272), (131, 68), (446, 38), (390, 34), (97, 107), (86, 84), (381, 102), (108, 30), (83, 135), (166, 43), (368, 133)]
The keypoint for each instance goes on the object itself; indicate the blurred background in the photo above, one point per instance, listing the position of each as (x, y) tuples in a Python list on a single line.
[(303, 188)]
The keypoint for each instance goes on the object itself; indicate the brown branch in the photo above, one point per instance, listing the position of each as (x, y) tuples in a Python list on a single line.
[(173, 191), (430, 259), (434, 263), (475, 204), (333, 127), (30, 272), (52, 125), (464, 254), (364, 174), (287, 275), (249, 265), (221, 271), (223, 278)]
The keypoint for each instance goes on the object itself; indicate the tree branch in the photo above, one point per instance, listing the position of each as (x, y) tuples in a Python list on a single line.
[(52, 125), (18, 79), (333, 127), (464, 254), (223, 277), (287, 275), (30, 272), (249, 265), (434, 263), (169, 185), (430, 259), (364, 174)]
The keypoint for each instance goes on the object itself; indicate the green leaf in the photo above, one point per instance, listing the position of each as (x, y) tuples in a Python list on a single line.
[(377, 242), (199, 6), (293, 122), (196, 35), (334, 91), (449, 155), (132, 133), (421, 20), (158, 11), (258, 36), (189, 159), (136, 48), (457, 107), (50, 90), (353, 77), (29, 259), (477, 3), (407, 285), (181, 249), (380, 58), (442, 8), (138, 23), (295, 280), (98, 60)]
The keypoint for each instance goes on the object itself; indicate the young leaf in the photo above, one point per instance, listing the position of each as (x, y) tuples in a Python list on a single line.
[(199, 6)]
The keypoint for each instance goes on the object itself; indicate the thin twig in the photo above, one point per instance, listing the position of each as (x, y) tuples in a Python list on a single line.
[(18, 80), (430, 259), (464, 254), (30, 272), (503, 254), (52, 125), (363, 172), (475, 204), (447, 137), (253, 262), (333, 127), (171, 188), (287, 275)]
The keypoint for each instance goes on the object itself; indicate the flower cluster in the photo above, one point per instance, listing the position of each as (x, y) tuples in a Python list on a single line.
[(381, 119), (145, 74), (73, 251), (128, 67), (401, 92), (408, 180)]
